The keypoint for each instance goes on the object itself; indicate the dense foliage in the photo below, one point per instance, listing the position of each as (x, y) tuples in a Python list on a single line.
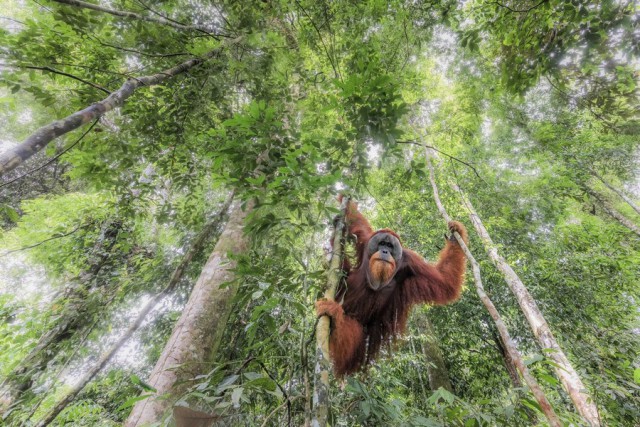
[(531, 105)]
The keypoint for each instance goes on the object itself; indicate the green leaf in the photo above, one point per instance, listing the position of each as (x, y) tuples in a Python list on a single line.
[(534, 359), (227, 383), (130, 402), (11, 213), (253, 375), (136, 380), (236, 395), (262, 383)]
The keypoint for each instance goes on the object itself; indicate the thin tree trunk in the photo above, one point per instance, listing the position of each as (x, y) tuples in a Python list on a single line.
[(508, 361), (512, 370), (623, 196), (538, 394), (626, 222), (70, 321), (197, 334), (321, 401), (436, 368), (304, 354), (177, 274), (565, 371), (15, 156)]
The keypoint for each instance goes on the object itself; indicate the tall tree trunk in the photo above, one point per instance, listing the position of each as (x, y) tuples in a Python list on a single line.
[(197, 334), (321, 401), (72, 319), (511, 366), (606, 206), (511, 346), (175, 278), (565, 371), (621, 194), (436, 368)]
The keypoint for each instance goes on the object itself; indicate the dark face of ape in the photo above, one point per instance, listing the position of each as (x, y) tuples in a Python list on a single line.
[(385, 253)]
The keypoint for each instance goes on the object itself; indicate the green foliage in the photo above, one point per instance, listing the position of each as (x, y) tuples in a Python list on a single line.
[(23, 325), (62, 228), (529, 102), (374, 104), (533, 38)]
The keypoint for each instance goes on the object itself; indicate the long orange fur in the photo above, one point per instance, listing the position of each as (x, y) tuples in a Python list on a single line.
[(367, 319)]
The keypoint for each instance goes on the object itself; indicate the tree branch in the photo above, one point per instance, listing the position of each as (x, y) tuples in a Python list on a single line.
[(443, 153), (282, 390), (99, 70), (54, 158), (12, 20), (620, 193), (132, 15), (510, 344), (62, 73), (585, 103), (159, 14), (43, 242), (611, 211), (150, 55), (272, 413), (519, 11), (321, 399), (15, 156), (324, 46)]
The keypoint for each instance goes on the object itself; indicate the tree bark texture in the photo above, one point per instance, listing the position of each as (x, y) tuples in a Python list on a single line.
[(197, 334), (564, 370), (321, 400), (176, 276), (508, 361), (15, 156), (510, 345)]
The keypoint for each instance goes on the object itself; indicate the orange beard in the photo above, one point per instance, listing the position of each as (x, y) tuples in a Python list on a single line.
[(381, 271)]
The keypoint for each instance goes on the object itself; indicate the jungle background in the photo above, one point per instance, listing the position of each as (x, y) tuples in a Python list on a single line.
[(260, 114)]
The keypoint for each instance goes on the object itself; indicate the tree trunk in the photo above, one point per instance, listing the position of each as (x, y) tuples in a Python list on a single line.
[(321, 400), (72, 319), (623, 196), (175, 278), (565, 371), (606, 206), (436, 368), (197, 334), (510, 345), (508, 361)]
